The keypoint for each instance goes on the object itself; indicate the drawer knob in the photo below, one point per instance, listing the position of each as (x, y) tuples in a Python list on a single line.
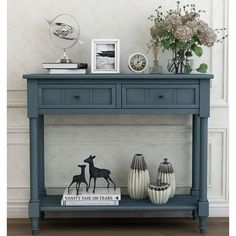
[(161, 96), (76, 97)]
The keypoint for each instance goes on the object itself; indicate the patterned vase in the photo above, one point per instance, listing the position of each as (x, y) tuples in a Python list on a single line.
[(166, 174), (138, 178), (159, 192)]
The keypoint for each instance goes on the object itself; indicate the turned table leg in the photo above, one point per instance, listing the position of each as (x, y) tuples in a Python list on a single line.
[(42, 190), (195, 158), (34, 182), (203, 205)]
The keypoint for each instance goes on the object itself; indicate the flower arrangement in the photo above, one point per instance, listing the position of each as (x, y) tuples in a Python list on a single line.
[(183, 32)]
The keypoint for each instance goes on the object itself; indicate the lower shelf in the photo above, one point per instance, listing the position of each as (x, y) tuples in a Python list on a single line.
[(177, 203)]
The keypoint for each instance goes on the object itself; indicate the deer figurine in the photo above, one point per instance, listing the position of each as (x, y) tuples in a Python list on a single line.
[(78, 179), (98, 173)]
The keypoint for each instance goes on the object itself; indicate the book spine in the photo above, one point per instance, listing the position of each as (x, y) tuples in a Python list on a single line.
[(64, 66), (89, 203), (91, 198), (67, 71), (60, 66)]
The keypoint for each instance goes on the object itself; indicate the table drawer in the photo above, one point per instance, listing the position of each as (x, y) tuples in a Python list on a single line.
[(79, 96), (160, 96)]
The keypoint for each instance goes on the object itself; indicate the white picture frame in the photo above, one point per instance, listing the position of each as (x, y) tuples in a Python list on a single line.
[(105, 56)]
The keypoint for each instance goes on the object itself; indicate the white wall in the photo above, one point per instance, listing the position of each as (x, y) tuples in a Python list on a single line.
[(114, 139)]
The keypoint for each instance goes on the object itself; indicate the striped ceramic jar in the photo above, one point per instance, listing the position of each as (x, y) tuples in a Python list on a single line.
[(159, 192), (138, 178), (166, 174)]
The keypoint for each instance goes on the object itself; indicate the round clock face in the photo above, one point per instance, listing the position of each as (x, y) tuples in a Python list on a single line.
[(138, 62)]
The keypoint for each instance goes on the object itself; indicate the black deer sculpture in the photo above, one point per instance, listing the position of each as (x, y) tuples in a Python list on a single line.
[(98, 173), (78, 179)]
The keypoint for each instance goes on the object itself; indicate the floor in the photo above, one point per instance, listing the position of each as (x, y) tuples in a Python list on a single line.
[(121, 227)]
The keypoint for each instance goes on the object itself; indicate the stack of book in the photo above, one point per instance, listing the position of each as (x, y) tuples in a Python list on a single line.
[(102, 196), (66, 68)]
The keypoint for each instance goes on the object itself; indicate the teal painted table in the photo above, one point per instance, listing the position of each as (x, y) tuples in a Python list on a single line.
[(119, 94)]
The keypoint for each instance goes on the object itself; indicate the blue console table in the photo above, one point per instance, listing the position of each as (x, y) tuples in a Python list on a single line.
[(187, 94)]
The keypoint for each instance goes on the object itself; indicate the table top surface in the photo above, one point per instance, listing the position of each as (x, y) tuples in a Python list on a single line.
[(118, 76)]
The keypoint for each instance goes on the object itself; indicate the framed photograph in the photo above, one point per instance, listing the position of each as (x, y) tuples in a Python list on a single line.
[(105, 56)]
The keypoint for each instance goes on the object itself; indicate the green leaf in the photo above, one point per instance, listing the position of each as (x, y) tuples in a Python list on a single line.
[(192, 41), (197, 50), (188, 69), (188, 54), (202, 68), (179, 44), (166, 44), (164, 33), (171, 36)]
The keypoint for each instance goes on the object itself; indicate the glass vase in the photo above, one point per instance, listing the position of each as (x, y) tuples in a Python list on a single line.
[(178, 65), (155, 68)]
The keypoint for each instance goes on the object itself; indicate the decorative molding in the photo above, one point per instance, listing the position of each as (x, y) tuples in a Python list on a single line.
[(226, 51), (225, 160), (219, 105), (16, 98), (209, 185), (17, 212), (18, 129), (16, 105), (224, 76), (219, 209), (16, 90)]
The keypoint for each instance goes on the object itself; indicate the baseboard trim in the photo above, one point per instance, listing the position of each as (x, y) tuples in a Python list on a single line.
[(219, 209)]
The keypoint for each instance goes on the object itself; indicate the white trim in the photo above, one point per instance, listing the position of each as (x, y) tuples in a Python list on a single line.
[(226, 52), (219, 105), (17, 212), (219, 209), (223, 75), (16, 105)]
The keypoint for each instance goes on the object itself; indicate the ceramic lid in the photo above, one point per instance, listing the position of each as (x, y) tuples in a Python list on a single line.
[(138, 162), (166, 167), (159, 186)]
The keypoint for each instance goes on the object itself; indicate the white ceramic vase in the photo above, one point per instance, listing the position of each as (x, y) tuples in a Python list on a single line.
[(138, 178), (166, 174), (159, 192)]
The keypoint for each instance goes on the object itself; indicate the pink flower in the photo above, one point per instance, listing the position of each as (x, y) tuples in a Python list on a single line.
[(208, 37), (183, 33), (155, 30), (172, 21), (194, 25), (202, 25)]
